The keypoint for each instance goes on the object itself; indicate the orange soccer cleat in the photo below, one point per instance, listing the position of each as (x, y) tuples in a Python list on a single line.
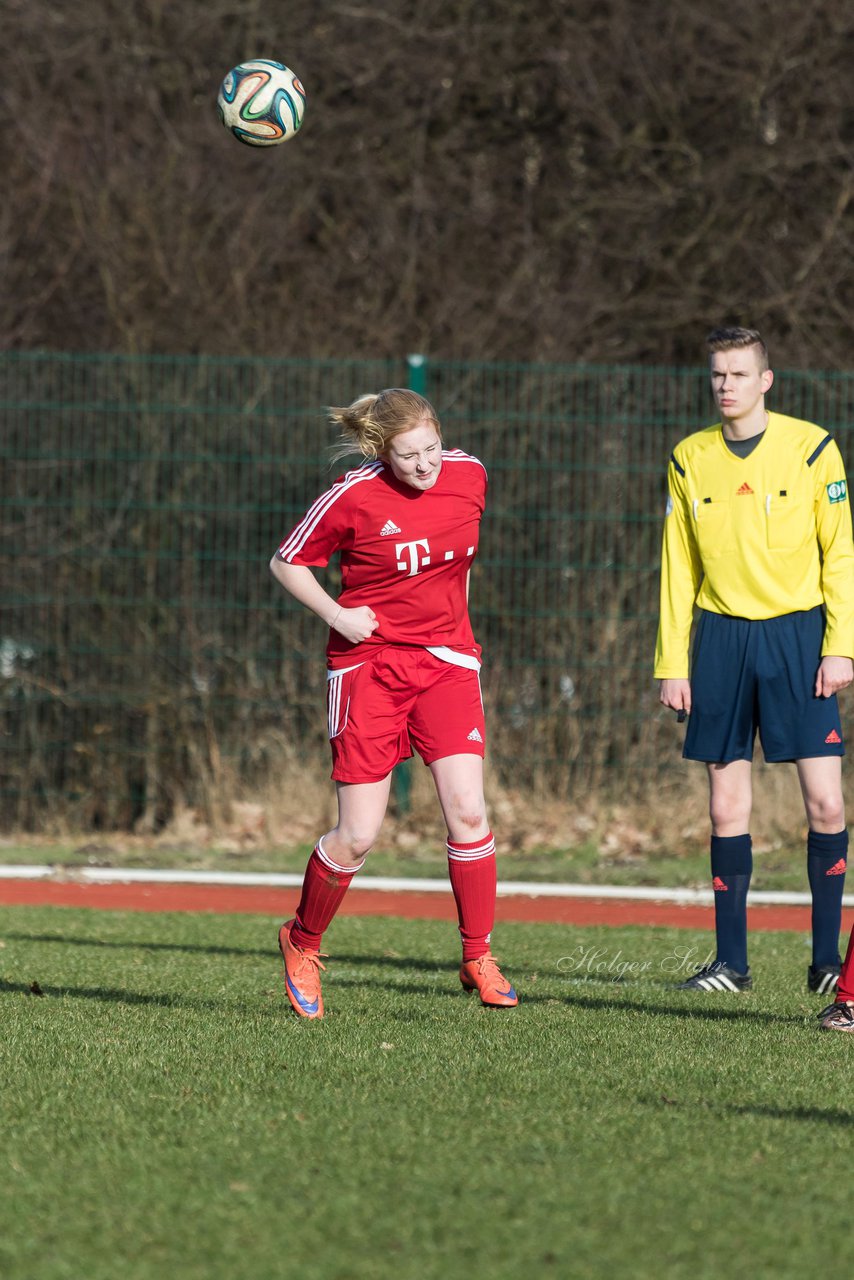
[(302, 975), (484, 976)]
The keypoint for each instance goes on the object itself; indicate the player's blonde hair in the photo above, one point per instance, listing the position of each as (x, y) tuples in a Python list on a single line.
[(370, 423), (734, 338)]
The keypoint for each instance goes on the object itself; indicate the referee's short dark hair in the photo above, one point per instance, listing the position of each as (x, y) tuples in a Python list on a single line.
[(734, 338)]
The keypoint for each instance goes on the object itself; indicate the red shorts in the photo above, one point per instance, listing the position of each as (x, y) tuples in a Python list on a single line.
[(401, 699)]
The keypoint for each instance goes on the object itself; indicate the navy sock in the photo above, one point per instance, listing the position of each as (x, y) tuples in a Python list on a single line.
[(826, 860), (732, 866)]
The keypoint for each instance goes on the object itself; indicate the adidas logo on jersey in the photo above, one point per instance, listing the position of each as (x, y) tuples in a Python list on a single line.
[(474, 736), (745, 488), (388, 527)]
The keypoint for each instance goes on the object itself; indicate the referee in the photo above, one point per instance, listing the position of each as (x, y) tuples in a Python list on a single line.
[(758, 555)]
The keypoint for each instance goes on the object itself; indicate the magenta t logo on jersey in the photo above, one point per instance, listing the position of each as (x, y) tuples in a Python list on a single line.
[(411, 565)]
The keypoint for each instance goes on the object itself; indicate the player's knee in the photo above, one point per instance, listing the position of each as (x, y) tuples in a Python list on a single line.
[(729, 815), (360, 843), (826, 812), (347, 845), (467, 811)]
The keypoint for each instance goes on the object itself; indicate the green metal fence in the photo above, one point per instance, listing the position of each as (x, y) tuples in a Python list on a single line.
[(146, 655)]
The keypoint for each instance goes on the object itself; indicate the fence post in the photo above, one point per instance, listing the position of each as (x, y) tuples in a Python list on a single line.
[(417, 366), (402, 776)]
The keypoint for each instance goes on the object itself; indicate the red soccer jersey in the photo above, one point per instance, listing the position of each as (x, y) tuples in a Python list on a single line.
[(405, 553)]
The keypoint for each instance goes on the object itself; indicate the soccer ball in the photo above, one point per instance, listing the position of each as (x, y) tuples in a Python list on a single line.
[(261, 102)]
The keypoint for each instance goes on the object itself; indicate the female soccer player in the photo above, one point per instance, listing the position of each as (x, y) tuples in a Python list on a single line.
[(403, 668)]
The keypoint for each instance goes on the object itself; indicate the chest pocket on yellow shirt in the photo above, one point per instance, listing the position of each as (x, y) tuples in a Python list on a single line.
[(713, 525), (788, 522)]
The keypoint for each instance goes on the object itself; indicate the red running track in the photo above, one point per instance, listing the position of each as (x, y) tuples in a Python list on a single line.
[(227, 899)]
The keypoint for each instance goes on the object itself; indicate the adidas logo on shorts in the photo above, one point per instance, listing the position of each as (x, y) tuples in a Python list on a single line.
[(474, 736), (388, 527)]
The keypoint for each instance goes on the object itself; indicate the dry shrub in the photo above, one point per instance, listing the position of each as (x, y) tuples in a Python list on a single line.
[(672, 821)]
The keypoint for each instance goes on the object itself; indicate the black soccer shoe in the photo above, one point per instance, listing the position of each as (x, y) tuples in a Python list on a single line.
[(837, 1017), (823, 979), (717, 977)]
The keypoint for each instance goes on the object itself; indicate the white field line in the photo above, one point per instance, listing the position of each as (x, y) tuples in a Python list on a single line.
[(393, 884)]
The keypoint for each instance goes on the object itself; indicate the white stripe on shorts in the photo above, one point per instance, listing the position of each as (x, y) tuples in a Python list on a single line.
[(334, 680), (456, 659)]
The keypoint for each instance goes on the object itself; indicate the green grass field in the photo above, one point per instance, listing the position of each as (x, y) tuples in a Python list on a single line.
[(164, 1115)]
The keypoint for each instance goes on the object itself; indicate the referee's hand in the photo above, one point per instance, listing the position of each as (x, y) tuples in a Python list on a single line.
[(676, 694), (833, 674)]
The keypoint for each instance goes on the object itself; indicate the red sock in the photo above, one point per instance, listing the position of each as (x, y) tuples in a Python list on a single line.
[(323, 889), (845, 987), (473, 879)]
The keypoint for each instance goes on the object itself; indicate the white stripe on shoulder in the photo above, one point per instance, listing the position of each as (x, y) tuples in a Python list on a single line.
[(298, 537), (458, 455)]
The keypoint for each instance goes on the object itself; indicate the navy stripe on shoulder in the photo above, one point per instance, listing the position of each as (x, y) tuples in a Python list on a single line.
[(815, 453), (681, 470)]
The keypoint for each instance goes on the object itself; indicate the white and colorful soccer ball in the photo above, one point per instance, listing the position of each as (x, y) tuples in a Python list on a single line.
[(261, 102)]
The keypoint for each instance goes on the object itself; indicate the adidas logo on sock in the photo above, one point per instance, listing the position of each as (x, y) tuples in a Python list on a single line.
[(388, 527), (719, 886), (838, 868), (474, 736)]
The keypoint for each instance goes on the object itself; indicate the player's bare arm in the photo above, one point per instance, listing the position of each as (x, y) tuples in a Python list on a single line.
[(354, 625), (834, 673), (675, 694)]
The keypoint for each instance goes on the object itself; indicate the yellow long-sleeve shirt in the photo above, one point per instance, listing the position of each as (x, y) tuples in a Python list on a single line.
[(756, 537)]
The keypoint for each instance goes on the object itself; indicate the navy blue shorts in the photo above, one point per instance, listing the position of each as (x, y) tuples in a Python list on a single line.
[(750, 675)]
